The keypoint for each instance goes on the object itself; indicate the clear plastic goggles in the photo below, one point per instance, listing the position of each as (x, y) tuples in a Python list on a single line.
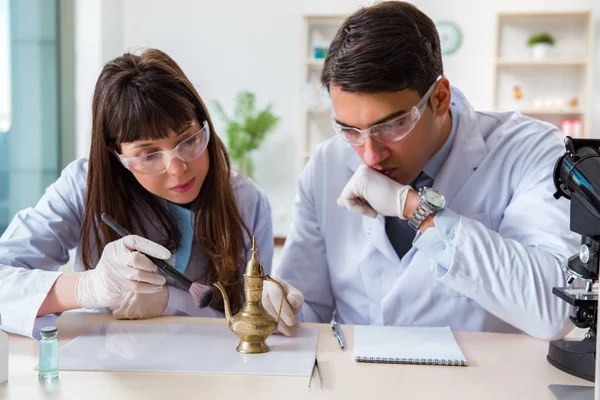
[(386, 132), (158, 162)]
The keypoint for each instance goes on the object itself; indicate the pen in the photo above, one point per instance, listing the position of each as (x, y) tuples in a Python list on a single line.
[(337, 331)]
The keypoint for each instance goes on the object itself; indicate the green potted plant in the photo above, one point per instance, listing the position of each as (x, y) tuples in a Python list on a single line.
[(539, 44), (246, 130)]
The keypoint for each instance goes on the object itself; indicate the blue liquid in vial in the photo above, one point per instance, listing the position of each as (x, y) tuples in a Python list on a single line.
[(48, 367)]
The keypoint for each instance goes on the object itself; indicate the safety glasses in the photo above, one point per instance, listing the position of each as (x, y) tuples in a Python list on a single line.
[(157, 163), (386, 132)]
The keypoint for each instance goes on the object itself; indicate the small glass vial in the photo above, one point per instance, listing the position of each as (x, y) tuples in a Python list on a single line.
[(3, 357), (48, 368)]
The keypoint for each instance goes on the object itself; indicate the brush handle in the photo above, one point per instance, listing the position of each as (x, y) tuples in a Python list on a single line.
[(161, 264), (172, 272)]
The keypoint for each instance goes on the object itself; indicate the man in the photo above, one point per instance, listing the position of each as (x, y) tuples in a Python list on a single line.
[(479, 246)]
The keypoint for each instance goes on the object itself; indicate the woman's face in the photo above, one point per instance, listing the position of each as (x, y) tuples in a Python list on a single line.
[(182, 180)]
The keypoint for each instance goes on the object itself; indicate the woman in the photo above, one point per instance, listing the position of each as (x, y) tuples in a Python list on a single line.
[(158, 169)]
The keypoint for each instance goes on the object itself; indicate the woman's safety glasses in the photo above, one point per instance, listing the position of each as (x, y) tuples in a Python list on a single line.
[(158, 162), (386, 132)]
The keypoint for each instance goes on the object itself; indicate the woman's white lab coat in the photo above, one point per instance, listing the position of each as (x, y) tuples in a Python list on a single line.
[(509, 243), (38, 240)]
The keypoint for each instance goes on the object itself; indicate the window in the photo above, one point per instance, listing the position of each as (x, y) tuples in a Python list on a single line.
[(5, 100)]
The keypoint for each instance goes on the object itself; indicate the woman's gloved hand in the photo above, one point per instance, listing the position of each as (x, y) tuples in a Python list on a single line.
[(271, 298), (121, 269), (142, 305)]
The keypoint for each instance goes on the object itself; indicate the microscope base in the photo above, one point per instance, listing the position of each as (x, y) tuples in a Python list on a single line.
[(570, 392), (575, 358)]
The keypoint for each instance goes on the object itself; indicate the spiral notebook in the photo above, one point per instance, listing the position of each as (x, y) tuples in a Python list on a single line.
[(407, 345)]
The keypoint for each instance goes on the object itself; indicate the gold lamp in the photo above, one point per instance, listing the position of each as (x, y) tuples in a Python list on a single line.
[(252, 324)]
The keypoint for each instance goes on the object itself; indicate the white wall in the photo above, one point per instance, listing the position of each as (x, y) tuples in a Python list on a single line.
[(98, 39), (228, 46)]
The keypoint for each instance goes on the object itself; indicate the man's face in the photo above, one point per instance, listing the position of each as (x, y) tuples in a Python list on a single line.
[(404, 159)]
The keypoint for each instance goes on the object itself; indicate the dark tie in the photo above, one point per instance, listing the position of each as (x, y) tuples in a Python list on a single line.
[(398, 231)]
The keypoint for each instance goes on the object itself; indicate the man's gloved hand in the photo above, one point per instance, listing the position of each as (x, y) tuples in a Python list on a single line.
[(271, 298), (370, 192), (121, 269), (142, 305)]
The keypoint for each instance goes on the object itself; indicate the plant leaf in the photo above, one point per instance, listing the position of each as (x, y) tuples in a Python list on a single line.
[(248, 128)]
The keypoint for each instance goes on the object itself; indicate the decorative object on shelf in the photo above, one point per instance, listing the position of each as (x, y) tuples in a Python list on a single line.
[(555, 103), (572, 127), (549, 103), (246, 130), (450, 36), (320, 52), (540, 43), (517, 93), (573, 102)]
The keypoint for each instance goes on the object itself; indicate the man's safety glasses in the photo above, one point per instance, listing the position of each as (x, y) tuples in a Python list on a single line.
[(386, 132)]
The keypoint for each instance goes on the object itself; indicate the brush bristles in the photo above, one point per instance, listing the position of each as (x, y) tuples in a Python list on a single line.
[(202, 294)]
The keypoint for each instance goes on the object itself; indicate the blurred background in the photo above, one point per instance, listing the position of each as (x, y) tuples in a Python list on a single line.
[(263, 58)]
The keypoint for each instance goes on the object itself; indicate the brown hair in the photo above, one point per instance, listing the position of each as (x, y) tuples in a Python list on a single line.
[(142, 97), (387, 47)]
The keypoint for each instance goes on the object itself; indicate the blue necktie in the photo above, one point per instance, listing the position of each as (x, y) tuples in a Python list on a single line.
[(400, 234)]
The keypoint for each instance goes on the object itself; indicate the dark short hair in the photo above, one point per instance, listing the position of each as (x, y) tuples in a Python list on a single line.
[(387, 47)]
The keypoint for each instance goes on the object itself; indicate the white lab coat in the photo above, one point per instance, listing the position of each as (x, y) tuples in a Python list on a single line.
[(37, 241), (510, 241)]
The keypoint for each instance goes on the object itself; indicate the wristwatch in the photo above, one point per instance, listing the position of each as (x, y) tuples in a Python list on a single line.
[(430, 201)]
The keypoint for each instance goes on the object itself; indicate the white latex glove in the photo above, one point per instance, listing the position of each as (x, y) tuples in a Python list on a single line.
[(121, 269), (370, 192), (271, 298), (142, 305)]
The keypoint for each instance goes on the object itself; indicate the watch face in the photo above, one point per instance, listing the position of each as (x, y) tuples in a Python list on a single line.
[(434, 198)]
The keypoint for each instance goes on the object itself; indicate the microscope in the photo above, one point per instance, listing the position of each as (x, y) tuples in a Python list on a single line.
[(577, 177)]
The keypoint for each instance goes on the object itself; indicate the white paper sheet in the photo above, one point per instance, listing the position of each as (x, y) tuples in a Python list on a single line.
[(123, 346)]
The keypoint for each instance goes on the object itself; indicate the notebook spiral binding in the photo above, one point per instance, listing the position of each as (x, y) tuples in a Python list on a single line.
[(421, 361)]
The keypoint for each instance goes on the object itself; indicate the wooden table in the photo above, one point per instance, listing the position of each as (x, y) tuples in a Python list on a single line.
[(502, 366)]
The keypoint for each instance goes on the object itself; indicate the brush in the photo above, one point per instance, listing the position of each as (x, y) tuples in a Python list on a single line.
[(201, 294)]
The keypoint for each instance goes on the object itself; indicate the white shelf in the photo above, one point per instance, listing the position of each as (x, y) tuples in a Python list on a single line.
[(565, 75), (315, 62), (541, 63), (544, 14), (541, 111), (567, 111), (315, 109)]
